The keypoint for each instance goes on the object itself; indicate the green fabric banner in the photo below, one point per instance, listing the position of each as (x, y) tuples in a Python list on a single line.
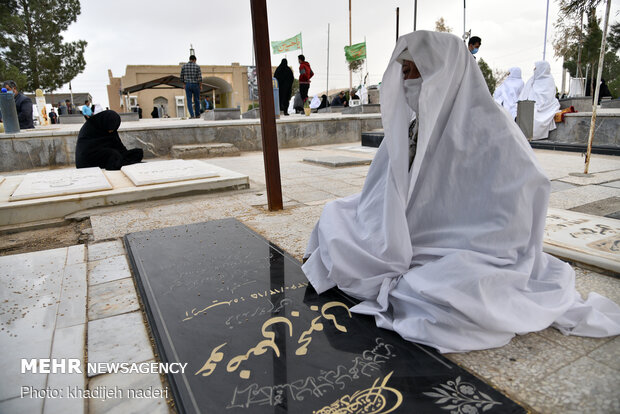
[(286, 45), (355, 52)]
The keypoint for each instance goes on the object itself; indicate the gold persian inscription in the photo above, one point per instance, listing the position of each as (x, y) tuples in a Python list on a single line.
[(269, 342), (379, 399), (209, 366), (264, 294)]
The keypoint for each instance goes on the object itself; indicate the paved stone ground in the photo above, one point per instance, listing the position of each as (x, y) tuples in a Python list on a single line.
[(86, 304)]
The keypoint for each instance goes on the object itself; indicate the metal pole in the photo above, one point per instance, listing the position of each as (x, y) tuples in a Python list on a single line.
[(397, 13), (327, 85), (267, 111), (598, 87), (546, 23), (464, 25), (350, 71), (415, 14)]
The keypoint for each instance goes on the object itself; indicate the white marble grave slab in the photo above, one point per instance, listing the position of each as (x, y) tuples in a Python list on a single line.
[(585, 238), (61, 182), (158, 172)]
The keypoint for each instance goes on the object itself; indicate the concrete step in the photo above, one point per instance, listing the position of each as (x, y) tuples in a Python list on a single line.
[(204, 151)]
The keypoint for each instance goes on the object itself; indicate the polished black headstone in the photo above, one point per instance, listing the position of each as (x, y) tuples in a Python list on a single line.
[(258, 339)]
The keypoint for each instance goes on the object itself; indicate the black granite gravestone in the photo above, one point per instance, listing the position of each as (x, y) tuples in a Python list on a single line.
[(258, 339)]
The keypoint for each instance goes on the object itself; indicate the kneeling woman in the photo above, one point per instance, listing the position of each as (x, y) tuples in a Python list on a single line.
[(99, 145)]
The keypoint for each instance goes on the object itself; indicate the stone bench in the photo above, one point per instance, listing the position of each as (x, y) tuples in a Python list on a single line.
[(576, 127), (363, 109), (332, 109), (204, 151), (219, 114)]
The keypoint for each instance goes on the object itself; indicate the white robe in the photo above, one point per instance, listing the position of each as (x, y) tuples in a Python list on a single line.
[(541, 88), (507, 94), (449, 253)]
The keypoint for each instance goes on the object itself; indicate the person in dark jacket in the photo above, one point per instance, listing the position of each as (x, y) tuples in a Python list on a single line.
[(324, 103), (285, 78), (154, 113), (99, 145), (23, 105)]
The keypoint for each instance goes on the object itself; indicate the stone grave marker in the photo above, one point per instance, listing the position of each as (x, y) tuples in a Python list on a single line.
[(158, 172), (338, 161), (258, 339), (61, 182)]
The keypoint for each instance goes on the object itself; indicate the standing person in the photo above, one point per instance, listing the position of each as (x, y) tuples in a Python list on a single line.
[(154, 113), (87, 110), (474, 44), (305, 73), (541, 89), (139, 110), (446, 247), (507, 94), (192, 77), (285, 78), (69, 106), (62, 108), (23, 105), (53, 116)]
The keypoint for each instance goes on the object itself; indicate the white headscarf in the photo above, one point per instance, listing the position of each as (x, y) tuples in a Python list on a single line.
[(507, 94), (541, 88), (315, 103), (449, 253)]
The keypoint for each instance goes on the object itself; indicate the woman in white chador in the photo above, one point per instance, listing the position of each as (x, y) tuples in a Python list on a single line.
[(541, 88), (444, 243), (507, 94)]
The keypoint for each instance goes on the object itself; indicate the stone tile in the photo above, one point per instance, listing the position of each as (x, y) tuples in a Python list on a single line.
[(338, 161), (581, 195), (584, 386), (76, 254), (106, 270), (580, 344), (560, 186), (68, 343), (596, 178), (614, 215), (121, 338), (158, 172), (61, 182), (30, 287), (104, 250), (112, 298), (109, 226), (587, 281), (608, 354), (614, 184), (22, 406), (127, 382), (601, 207), (72, 306), (527, 358), (310, 195)]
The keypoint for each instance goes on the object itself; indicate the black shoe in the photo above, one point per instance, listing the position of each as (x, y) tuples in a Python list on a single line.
[(286, 113)]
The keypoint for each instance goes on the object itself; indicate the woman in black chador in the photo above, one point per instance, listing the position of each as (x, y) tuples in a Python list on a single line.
[(99, 145), (285, 78)]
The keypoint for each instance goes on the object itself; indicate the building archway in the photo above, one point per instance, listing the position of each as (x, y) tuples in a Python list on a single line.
[(161, 104), (222, 96)]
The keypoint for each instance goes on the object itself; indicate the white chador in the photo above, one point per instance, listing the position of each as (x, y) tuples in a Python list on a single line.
[(541, 88), (448, 251), (507, 94)]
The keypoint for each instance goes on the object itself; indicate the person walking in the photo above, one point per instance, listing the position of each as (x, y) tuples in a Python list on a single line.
[(285, 78), (191, 76), (305, 73)]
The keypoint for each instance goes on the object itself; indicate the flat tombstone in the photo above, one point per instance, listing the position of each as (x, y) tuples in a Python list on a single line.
[(158, 172), (61, 182), (257, 338)]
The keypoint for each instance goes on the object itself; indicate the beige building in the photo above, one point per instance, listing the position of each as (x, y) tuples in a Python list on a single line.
[(230, 82)]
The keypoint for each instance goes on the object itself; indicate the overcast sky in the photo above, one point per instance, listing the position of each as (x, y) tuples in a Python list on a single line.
[(159, 32)]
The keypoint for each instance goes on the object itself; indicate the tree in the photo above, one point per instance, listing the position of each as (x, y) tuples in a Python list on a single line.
[(487, 73), (10, 72), (441, 26), (357, 66), (613, 37), (31, 41)]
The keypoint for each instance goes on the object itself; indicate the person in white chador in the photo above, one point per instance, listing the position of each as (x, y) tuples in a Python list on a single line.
[(541, 88), (507, 94), (444, 243)]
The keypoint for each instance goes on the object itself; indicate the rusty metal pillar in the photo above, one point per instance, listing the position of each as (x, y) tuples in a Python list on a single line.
[(265, 98)]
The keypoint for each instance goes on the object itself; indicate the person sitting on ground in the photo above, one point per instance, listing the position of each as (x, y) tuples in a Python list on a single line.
[(541, 89), (339, 100), (298, 104), (99, 145), (324, 103), (444, 243), (315, 103), (154, 113), (507, 94)]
